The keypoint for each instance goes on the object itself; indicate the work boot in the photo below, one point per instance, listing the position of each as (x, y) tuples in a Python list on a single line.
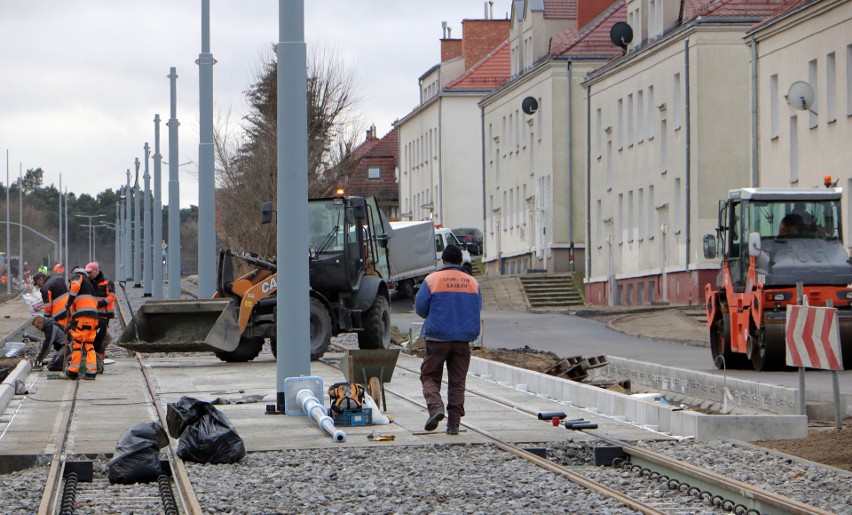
[(70, 375), (452, 429), (90, 377), (432, 421)]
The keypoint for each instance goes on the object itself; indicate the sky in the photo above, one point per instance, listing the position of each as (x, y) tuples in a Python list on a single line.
[(81, 80)]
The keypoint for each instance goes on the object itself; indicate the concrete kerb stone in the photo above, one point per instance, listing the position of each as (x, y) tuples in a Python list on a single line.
[(665, 419), (7, 388)]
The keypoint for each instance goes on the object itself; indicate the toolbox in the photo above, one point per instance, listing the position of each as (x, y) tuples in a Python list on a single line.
[(352, 417)]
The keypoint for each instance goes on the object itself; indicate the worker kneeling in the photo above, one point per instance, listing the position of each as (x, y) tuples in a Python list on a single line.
[(82, 307)]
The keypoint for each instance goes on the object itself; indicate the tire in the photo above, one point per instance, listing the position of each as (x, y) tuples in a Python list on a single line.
[(377, 330), (247, 350), (720, 346), (406, 289), (320, 329)]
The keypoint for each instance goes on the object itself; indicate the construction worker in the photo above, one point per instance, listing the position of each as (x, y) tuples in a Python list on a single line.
[(105, 293), (43, 269), (82, 307), (54, 294), (54, 334), (58, 269)]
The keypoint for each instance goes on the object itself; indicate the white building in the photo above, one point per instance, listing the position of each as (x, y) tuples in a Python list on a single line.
[(669, 128), (440, 142), (810, 41), (534, 136)]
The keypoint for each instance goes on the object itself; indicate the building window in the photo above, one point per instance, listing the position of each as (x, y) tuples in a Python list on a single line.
[(491, 218), (630, 120), (600, 133), (676, 100), (677, 215), (652, 210), (640, 220), (374, 172), (651, 113), (640, 116), (813, 118), (599, 224), (830, 89), (630, 218), (794, 149), (620, 225), (532, 154), (620, 134), (609, 165), (773, 106)]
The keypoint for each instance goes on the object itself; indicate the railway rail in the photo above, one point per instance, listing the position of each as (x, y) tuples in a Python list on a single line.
[(72, 487)]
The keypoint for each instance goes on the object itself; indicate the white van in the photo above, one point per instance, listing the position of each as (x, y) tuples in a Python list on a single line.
[(444, 237)]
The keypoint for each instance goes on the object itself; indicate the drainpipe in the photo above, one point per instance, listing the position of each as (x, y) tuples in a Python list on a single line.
[(687, 177), (484, 203), (588, 183), (755, 178), (314, 409), (571, 170)]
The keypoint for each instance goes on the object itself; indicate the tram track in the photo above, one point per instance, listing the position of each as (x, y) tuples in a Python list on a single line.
[(695, 488), (75, 486)]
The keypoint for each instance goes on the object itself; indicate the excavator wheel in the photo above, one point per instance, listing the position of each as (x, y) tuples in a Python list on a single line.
[(320, 329), (377, 330), (247, 350), (720, 346)]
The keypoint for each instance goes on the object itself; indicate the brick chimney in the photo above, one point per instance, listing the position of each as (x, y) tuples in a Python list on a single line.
[(479, 37), (588, 10), (450, 49)]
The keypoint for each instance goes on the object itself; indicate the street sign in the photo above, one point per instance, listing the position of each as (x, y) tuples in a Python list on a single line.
[(812, 336)]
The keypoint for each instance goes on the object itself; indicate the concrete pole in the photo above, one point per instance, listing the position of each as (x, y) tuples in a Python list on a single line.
[(293, 314), (61, 248), (21, 224), (157, 248), (67, 241), (174, 192), (137, 231), (147, 248), (128, 236), (206, 164)]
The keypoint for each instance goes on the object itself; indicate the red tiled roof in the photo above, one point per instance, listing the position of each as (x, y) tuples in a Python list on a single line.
[(387, 146), (788, 5), (757, 8), (490, 72), (560, 9), (594, 39), (362, 149)]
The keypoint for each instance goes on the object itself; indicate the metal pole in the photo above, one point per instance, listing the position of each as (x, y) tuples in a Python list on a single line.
[(61, 249), (174, 192), (128, 264), (147, 248), (137, 231), (800, 299), (117, 267), (293, 314), (67, 241), (157, 248), (21, 226), (206, 164), (8, 232)]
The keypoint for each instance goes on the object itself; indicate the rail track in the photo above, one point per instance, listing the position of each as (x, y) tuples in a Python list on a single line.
[(73, 486), (670, 486)]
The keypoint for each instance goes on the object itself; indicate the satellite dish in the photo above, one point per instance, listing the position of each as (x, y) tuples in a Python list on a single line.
[(529, 105), (800, 96), (621, 34)]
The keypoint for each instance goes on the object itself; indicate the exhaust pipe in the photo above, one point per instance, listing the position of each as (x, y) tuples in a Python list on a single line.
[(315, 410)]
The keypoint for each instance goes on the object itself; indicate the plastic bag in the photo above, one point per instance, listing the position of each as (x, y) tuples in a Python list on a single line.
[(140, 463), (181, 414), (34, 302), (151, 432), (206, 434), (378, 417)]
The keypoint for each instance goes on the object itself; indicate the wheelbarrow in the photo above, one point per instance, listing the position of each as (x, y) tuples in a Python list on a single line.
[(373, 368)]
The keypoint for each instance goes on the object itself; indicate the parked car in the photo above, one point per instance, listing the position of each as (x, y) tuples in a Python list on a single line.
[(471, 237)]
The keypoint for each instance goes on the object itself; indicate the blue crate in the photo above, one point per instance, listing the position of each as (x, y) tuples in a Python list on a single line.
[(352, 417)]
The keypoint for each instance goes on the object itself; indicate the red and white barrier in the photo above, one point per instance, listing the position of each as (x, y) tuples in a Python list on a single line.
[(813, 338)]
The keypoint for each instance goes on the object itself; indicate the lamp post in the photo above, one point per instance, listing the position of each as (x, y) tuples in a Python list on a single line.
[(114, 227), (91, 228)]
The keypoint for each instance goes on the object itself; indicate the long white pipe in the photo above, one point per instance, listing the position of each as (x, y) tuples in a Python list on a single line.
[(315, 410)]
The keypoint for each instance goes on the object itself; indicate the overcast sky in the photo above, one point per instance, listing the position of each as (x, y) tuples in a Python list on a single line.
[(81, 80)]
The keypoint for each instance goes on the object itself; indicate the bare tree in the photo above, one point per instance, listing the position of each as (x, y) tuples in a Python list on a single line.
[(247, 167)]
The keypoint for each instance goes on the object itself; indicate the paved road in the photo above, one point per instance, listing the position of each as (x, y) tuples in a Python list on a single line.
[(568, 335)]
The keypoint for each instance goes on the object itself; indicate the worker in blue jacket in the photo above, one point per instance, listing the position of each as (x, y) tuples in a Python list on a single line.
[(451, 303)]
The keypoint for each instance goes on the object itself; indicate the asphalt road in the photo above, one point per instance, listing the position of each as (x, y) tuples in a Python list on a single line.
[(567, 335)]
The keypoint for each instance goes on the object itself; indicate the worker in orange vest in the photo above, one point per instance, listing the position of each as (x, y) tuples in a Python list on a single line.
[(82, 309), (54, 294), (105, 293)]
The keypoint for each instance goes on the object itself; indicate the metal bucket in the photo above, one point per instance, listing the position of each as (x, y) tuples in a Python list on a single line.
[(183, 326)]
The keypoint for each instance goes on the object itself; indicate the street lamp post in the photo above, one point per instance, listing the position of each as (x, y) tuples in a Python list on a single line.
[(92, 252)]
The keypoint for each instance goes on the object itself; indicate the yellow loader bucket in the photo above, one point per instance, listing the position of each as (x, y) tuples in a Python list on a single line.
[(183, 326)]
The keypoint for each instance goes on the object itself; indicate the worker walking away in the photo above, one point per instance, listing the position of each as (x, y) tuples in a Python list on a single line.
[(451, 303), (54, 335), (105, 295), (54, 294), (82, 309)]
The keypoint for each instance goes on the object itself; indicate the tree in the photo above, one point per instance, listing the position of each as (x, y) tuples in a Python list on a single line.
[(247, 167), (32, 180)]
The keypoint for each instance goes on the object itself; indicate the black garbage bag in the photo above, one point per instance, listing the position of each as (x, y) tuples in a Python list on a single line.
[(139, 463), (206, 434), (151, 432), (183, 413)]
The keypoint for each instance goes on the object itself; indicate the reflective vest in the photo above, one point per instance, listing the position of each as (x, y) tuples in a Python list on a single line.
[(54, 293), (82, 301), (104, 291)]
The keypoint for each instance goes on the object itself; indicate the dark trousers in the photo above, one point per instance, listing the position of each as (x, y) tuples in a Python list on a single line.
[(103, 325), (456, 355)]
